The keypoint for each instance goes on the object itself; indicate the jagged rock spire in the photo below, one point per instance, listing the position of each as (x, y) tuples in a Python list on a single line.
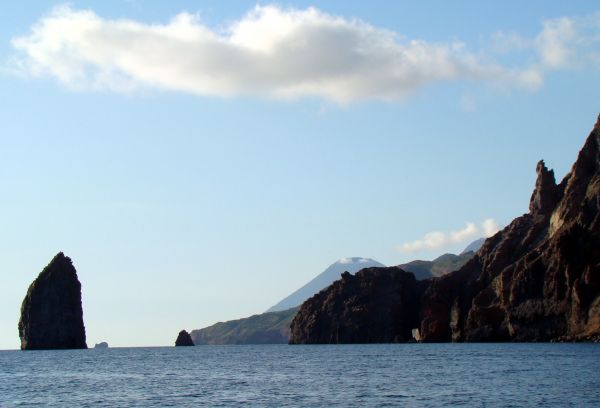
[(546, 193)]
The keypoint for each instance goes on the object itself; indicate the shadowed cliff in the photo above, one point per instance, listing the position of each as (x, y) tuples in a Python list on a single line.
[(51, 313), (536, 280)]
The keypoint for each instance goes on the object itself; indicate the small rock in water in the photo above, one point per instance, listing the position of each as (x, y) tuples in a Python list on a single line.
[(101, 345), (184, 339)]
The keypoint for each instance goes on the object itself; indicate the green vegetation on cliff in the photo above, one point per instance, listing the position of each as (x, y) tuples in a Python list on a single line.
[(265, 328), (440, 266)]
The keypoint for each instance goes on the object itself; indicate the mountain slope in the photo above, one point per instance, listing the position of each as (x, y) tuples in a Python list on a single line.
[(324, 279), (265, 328), (438, 267), (474, 246)]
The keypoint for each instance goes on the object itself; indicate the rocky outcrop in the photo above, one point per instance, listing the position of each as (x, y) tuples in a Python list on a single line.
[(546, 193), (101, 345), (51, 313), (377, 305), (536, 280), (184, 339)]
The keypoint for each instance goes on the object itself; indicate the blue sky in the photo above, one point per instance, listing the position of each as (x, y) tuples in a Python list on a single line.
[(203, 171)]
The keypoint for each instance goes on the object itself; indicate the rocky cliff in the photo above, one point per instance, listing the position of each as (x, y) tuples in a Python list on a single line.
[(536, 280), (51, 313), (539, 278), (377, 305)]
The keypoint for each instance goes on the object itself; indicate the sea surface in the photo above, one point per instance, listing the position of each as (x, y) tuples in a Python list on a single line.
[(401, 375)]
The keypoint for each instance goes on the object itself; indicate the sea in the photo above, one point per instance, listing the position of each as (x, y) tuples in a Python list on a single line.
[(379, 375)]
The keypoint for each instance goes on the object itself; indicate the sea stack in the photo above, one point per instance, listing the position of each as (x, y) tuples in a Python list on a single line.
[(51, 313), (184, 339)]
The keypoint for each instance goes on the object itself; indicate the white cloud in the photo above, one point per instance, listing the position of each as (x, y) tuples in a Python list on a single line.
[(270, 52), (490, 227), (562, 43), (469, 232), (437, 240), (555, 41), (431, 240)]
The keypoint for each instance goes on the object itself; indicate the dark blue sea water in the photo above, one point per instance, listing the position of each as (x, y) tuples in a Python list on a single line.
[(406, 375)]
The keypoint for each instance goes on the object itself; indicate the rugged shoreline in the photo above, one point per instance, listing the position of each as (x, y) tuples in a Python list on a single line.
[(536, 280)]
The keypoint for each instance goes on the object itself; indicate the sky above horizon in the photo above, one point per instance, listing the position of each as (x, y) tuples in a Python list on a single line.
[(200, 162)]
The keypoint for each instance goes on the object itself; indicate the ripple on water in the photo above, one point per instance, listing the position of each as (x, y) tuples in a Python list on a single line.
[(431, 375)]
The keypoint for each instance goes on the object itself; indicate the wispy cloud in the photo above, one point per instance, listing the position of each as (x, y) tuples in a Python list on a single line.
[(437, 240), (270, 52), (354, 260), (555, 42), (562, 43), (490, 227)]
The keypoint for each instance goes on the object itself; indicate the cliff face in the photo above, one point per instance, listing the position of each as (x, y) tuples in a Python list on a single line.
[(377, 305), (51, 313), (536, 280)]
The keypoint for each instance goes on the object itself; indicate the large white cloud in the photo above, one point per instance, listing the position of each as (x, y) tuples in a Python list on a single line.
[(270, 52), (437, 240)]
